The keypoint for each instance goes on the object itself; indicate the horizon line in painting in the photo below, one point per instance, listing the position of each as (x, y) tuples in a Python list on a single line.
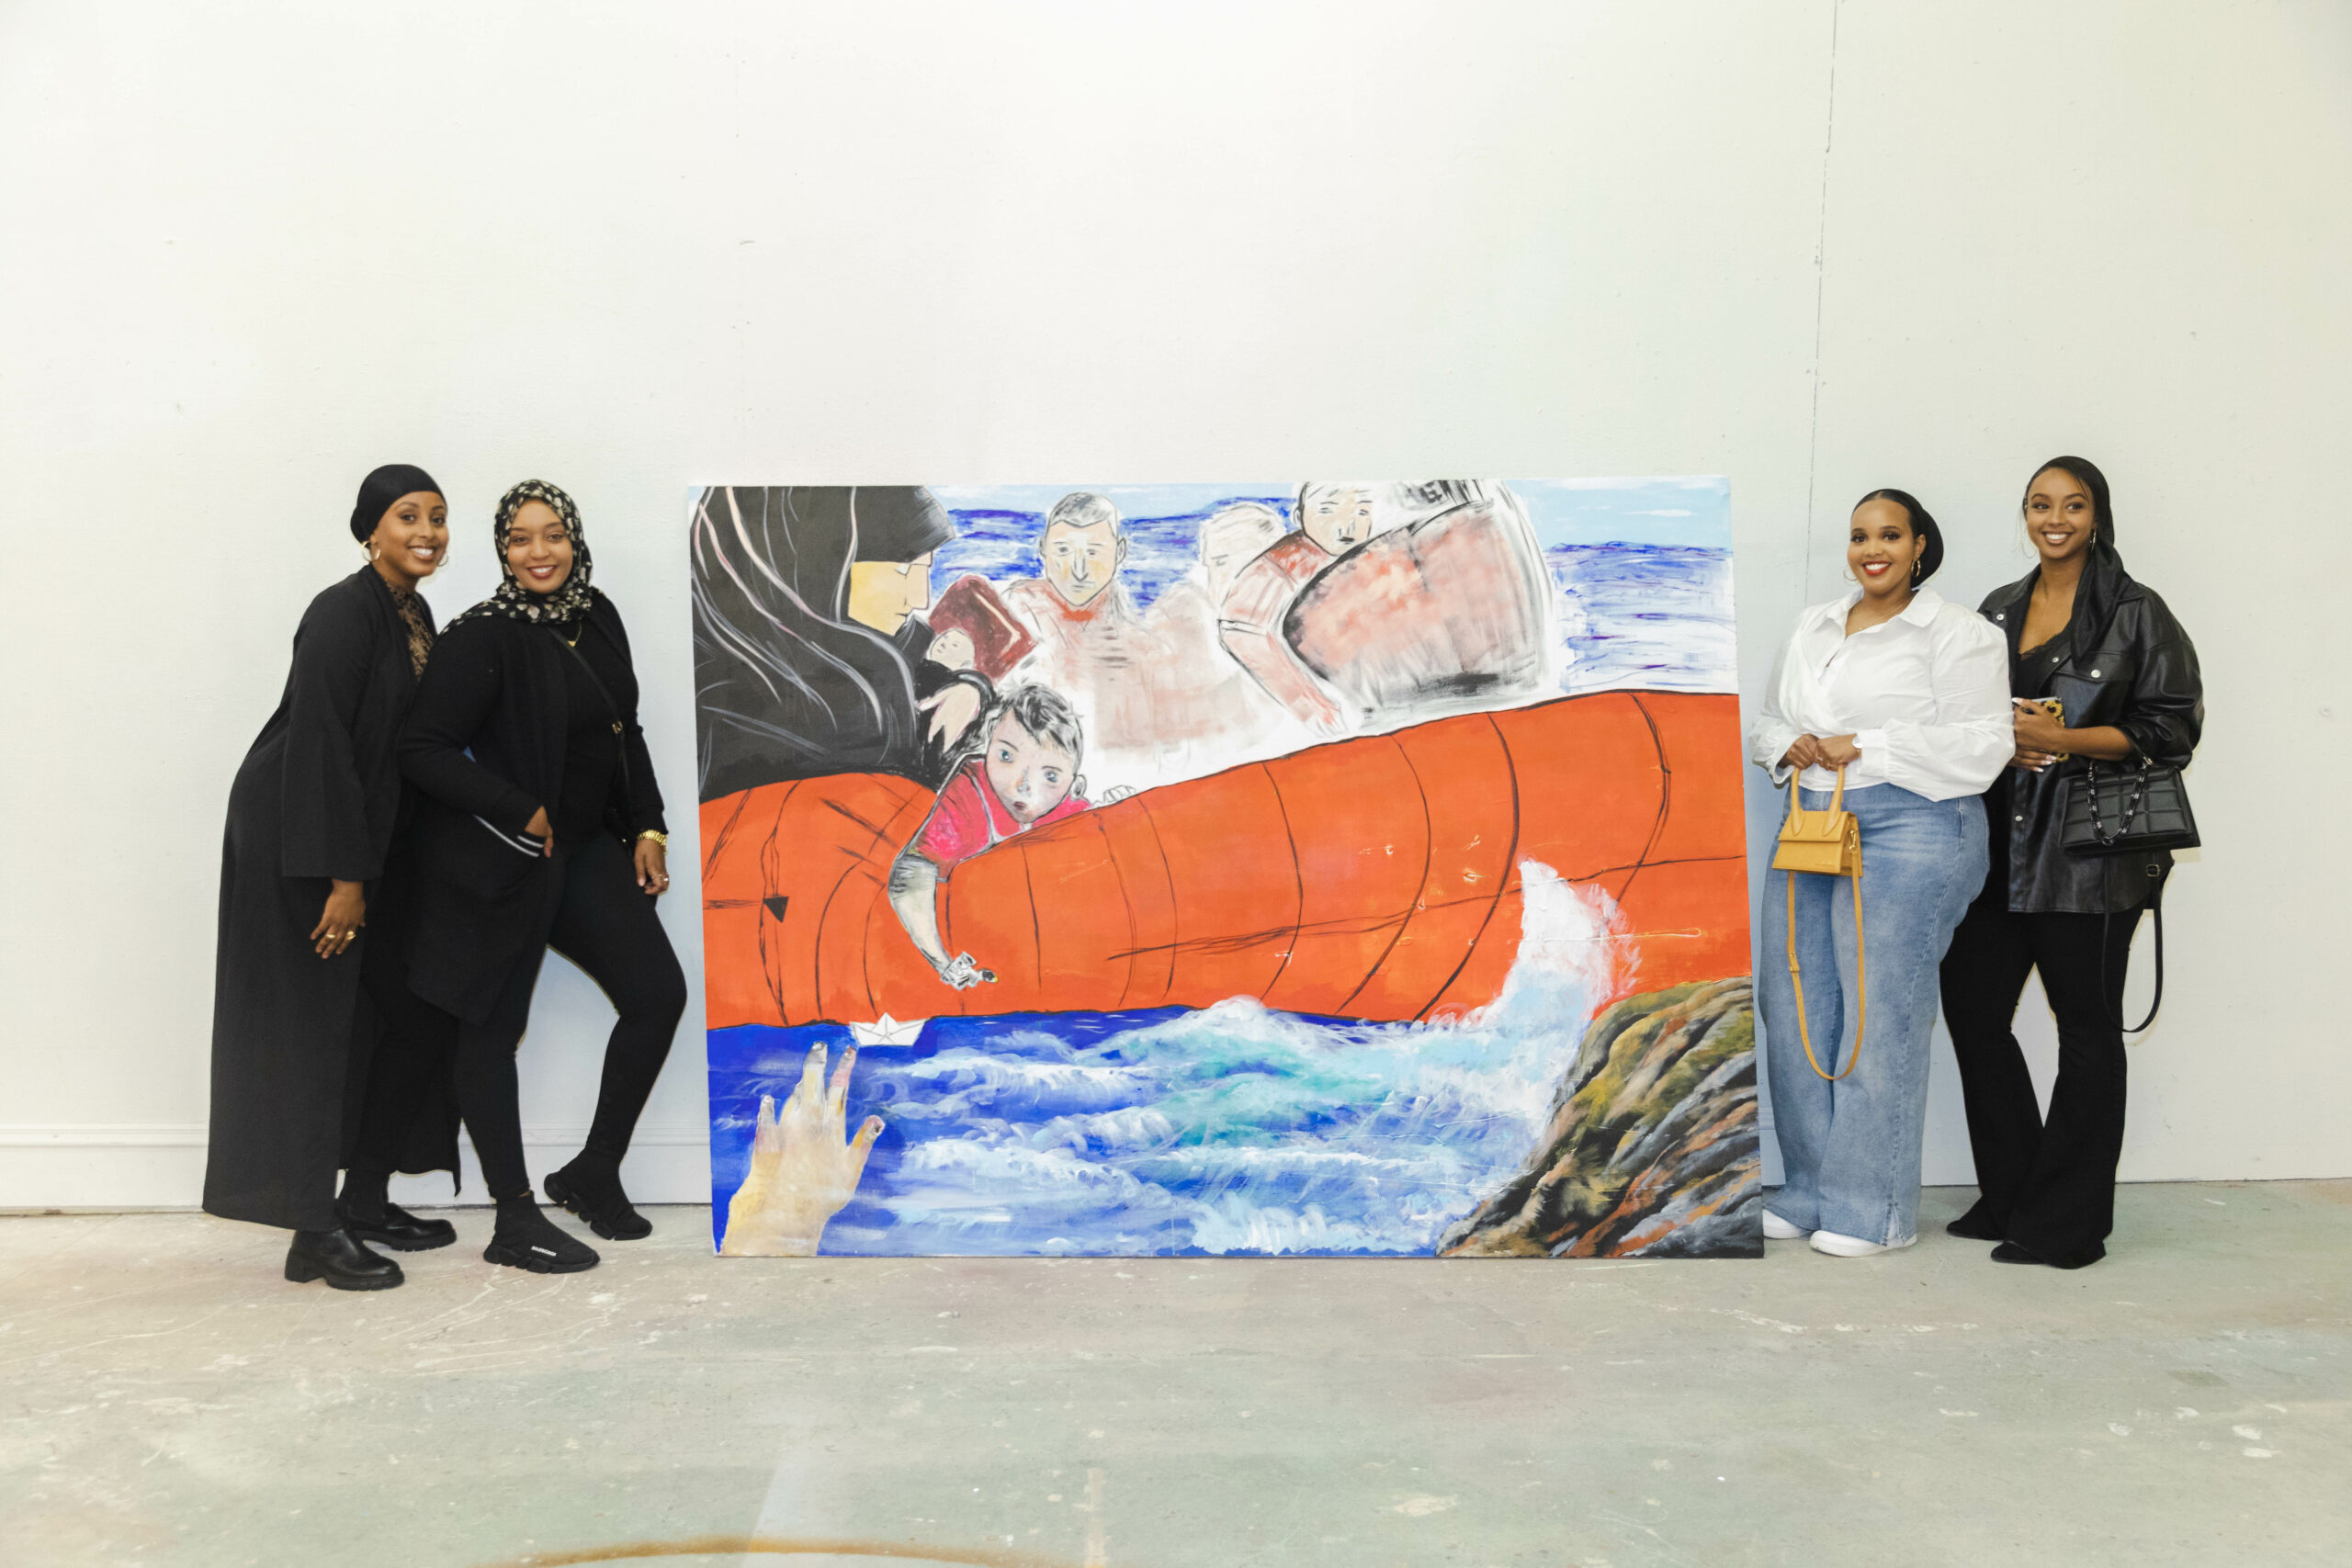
[(1340, 867)]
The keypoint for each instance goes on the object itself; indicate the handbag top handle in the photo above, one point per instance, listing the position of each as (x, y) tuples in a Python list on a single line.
[(1837, 801)]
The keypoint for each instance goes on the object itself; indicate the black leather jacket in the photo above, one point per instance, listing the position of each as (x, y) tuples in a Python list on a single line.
[(2128, 663)]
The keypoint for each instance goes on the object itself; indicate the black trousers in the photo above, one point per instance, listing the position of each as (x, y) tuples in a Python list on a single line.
[(2046, 1184), (593, 913)]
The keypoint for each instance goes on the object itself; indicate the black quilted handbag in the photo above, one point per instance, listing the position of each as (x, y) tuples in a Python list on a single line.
[(2121, 812)]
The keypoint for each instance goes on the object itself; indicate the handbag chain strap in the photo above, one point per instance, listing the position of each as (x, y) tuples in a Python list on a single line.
[(2131, 807)]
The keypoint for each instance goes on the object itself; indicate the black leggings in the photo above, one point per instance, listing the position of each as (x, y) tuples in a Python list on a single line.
[(2047, 1185), (595, 914)]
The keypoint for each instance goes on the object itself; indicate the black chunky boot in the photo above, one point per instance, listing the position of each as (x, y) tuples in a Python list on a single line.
[(591, 1187), (341, 1259), (527, 1239)]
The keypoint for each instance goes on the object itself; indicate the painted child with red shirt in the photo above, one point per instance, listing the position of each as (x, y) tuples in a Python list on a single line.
[(1024, 776)]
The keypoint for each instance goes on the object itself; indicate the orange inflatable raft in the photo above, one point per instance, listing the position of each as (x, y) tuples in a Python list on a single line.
[(1374, 878)]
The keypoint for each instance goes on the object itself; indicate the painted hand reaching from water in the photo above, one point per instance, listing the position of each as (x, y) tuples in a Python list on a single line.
[(802, 1173)]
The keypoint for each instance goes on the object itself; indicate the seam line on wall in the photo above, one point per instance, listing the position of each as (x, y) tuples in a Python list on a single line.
[(1820, 280)]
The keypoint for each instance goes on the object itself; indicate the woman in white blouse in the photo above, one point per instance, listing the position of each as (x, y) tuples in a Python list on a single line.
[(1910, 695)]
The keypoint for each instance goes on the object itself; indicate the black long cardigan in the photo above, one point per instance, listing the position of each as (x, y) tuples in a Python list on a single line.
[(318, 798), (484, 746), (2126, 663)]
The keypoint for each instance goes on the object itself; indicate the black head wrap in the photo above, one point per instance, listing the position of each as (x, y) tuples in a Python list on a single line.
[(380, 489), (891, 523), (517, 602)]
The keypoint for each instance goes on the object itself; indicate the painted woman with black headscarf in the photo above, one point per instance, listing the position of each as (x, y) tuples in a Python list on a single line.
[(2099, 670), (541, 827), (808, 644), (313, 816)]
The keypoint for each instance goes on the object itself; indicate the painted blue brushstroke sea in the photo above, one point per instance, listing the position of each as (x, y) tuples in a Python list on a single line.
[(1644, 618), (1232, 1131)]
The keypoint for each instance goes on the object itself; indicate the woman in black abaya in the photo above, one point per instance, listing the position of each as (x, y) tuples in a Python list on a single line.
[(808, 648), (312, 816)]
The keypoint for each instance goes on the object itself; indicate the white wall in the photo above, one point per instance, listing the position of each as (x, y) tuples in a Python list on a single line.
[(252, 251)]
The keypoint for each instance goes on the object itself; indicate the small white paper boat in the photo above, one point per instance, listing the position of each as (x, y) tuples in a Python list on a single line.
[(888, 1030)]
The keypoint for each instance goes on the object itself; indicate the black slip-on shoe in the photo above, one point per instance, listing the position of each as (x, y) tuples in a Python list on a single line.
[(599, 1203), (395, 1227), (341, 1259), (526, 1238)]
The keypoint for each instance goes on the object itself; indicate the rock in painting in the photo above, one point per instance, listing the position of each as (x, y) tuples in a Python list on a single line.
[(1651, 1148)]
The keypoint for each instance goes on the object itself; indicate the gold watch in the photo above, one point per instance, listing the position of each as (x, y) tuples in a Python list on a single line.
[(659, 837)]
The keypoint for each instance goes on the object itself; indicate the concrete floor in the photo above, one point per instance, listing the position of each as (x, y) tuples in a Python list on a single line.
[(164, 1398)]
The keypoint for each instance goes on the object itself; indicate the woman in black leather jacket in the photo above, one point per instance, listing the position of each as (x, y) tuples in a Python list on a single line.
[(2121, 675)]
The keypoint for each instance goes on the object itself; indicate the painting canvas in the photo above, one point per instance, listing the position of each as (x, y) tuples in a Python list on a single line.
[(1330, 867)]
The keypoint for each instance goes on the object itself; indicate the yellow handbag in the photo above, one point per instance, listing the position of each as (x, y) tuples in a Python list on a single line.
[(1826, 843)]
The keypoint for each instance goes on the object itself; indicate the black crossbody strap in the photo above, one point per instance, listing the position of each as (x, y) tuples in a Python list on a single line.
[(611, 706), (2115, 1009)]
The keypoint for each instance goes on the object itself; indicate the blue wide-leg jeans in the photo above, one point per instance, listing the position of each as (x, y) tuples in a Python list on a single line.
[(1851, 1149)]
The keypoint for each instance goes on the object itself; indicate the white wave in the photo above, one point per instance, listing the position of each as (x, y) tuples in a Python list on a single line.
[(1238, 1129)]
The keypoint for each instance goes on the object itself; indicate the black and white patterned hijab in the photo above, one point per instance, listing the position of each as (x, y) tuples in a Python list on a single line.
[(513, 601)]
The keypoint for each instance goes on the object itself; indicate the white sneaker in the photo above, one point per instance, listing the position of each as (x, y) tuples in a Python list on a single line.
[(1778, 1229), (1835, 1245)]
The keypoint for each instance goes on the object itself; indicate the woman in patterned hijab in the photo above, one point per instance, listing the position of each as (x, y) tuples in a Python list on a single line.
[(517, 602), (544, 828)]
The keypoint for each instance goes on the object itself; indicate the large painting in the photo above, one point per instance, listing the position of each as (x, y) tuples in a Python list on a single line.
[(1343, 867)]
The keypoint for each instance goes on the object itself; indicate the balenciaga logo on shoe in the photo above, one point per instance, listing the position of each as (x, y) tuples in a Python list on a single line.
[(543, 1251)]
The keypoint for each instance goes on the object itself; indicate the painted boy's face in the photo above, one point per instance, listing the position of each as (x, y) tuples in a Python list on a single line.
[(1030, 776), (1080, 562)]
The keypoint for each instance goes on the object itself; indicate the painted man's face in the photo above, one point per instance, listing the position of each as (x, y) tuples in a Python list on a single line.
[(1338, 517), (1080, 562), (883, 593), (1030, 776)]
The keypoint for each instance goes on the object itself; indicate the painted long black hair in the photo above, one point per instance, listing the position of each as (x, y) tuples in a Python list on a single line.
[(1932, 537), (789, 686)]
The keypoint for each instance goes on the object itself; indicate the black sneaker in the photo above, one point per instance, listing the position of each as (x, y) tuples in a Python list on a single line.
[(390, 1226), (593, 1192), (526, 1238)]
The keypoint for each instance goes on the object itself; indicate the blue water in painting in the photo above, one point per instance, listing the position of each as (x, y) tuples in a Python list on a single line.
[(1232, 1130), (1235, 1130), (1648, 617)]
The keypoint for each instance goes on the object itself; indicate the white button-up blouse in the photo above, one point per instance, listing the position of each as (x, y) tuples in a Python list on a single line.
[(1925, 695)]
